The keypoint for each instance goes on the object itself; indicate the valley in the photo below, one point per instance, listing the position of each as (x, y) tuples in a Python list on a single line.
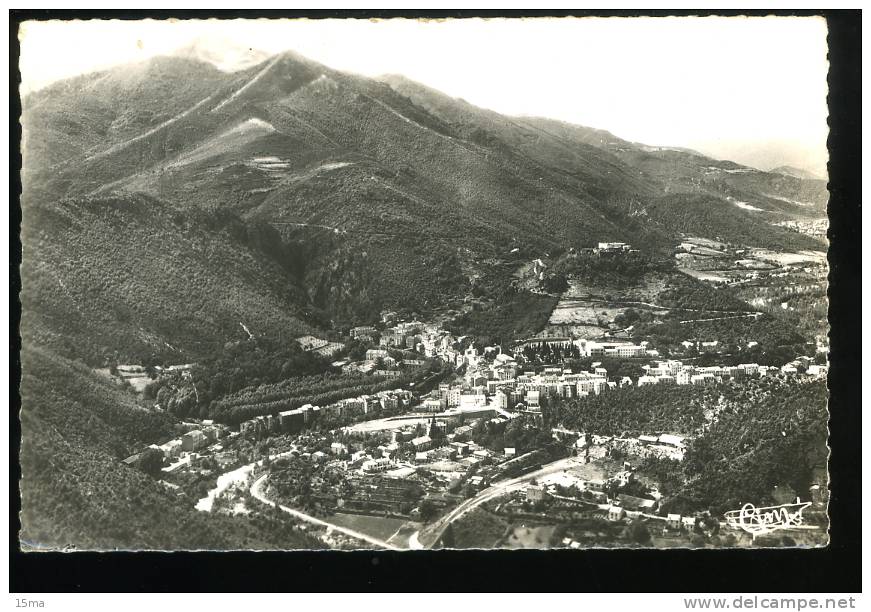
[(289, 307)]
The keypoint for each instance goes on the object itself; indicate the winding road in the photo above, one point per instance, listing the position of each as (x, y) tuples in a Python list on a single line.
[(257, 492), (741, 316), (239, 474), (496, 490)]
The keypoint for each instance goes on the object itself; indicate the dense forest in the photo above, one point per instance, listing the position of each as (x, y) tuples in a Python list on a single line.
[(320, 390), (806, 299), (633, 411), (89, 410), (606, 269), (293, 393), (239, 364), (777, 342), (519, 434), (129, 278), (683, 291), (514, 315), (769, 432)]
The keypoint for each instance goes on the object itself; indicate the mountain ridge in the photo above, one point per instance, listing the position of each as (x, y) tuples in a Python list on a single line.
[(799, 173), (400, 172)]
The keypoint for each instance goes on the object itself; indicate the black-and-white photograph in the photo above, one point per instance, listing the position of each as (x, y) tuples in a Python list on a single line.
[(403, 284)]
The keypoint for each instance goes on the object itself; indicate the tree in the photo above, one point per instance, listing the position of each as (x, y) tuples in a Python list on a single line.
[(150, 461), (151, 390), (556, 283), (638, 532), (427, 510)]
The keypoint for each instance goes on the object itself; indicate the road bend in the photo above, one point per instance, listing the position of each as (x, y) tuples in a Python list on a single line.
[(257, 492), (496, 490)]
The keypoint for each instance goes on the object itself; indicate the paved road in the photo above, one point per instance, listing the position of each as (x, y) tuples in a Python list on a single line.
[(232, 477), (622, 303), (257, 492), (491, 492), (742, 316)]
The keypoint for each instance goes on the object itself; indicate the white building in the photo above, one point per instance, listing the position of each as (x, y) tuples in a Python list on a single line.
[(533, 399), (647, 380), (433, 405), (817, 370), (376, 465), (470, 401), (613, 246), (671, 440)]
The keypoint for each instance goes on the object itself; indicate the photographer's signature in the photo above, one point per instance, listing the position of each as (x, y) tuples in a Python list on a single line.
[(758, 521)]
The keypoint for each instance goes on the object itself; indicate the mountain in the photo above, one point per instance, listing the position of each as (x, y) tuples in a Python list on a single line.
[(172, 207), (67, 123), (129, 278), (796, 173), (646, 170), (384, 193)]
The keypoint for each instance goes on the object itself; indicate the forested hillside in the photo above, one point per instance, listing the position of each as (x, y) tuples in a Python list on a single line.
[(720, 219), (634, 411), (76, 492), (130, 278), (397, 178), (764, 432), (769, 433), (514, 315)]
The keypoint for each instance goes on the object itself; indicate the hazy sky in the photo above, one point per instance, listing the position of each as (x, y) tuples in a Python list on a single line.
[(748, 89)]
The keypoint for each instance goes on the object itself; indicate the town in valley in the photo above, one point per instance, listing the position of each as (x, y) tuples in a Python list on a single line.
[(269, 303), (465, 444)]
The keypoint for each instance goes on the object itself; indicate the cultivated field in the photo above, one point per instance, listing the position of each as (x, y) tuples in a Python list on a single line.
[(585, 312), (380, 527), (706, 276), (785, 259)]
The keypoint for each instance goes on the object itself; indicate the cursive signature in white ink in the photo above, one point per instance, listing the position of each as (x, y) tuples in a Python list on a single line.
[(759, 521)]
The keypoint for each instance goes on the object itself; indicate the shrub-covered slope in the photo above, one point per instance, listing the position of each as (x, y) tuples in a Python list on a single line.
[(125, 278), (76, 492)]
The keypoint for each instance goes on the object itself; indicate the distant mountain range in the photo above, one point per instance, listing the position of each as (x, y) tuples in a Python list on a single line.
[(796, 173), (170, 198)]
